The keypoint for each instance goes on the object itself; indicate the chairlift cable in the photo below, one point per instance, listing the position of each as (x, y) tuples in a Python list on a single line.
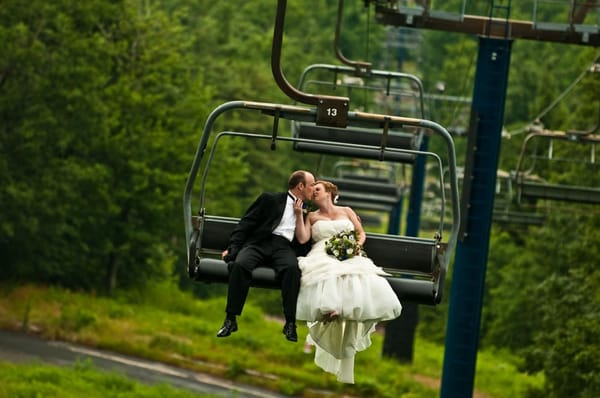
[(367, 41), (466, 79), (558, 99)]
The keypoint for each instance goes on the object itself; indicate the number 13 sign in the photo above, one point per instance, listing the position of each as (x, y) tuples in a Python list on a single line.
[(332, 111)]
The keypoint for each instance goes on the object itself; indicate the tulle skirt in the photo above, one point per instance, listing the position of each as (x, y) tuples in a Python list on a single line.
[(342, 301)]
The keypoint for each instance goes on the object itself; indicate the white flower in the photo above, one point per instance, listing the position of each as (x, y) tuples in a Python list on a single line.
[(344, 245)]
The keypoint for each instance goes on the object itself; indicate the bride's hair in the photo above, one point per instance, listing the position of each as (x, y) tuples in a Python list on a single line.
[(331, 188)]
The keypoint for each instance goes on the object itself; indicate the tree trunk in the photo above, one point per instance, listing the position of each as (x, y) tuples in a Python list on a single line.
[(399, 338), (111, 276)]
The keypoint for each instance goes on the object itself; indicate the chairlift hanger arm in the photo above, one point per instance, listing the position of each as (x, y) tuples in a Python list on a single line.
[(361, 67), (579, 15), (596, 128), (331, 110)]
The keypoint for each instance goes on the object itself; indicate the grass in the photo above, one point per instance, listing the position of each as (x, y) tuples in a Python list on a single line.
[(172, 327), (82, 379)]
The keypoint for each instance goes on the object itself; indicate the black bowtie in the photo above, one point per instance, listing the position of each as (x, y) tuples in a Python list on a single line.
[(291, 196)]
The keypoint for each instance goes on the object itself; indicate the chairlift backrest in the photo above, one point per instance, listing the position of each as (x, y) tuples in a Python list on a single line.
[(368, 170)]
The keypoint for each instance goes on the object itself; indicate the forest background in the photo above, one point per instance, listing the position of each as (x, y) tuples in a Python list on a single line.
[(102, 104)]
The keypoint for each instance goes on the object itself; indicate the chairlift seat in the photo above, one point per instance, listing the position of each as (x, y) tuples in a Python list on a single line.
[(360, 177), (529, 188), (365, 204), (567, 193), (412, 262), (367, 197), (358, 136), (370, 219), (367, 193), (518, 217), (367, 186)]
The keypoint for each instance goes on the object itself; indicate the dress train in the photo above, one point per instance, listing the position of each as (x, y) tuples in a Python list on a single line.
[(337, 343)]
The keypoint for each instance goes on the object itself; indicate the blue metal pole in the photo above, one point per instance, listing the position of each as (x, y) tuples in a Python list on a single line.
[(413, 216), (395, 216), (468, 276)]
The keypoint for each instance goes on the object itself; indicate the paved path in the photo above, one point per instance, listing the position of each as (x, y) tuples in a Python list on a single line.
[(23, 348)]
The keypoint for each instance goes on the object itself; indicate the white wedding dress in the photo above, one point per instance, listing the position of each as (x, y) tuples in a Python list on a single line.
[(354, 289)]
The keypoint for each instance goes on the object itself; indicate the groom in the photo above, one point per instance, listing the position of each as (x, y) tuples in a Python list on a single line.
[(265, 236)]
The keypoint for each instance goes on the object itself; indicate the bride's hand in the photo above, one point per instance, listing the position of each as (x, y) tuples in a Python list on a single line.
[(298, 206)]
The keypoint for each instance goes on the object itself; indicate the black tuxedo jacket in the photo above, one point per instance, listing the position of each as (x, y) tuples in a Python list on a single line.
[(258, 223)]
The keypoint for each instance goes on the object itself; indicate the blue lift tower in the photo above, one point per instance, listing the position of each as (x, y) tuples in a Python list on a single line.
[(466, 294)]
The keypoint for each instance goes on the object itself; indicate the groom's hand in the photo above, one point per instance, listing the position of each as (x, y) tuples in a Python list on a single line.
[(226, 256)]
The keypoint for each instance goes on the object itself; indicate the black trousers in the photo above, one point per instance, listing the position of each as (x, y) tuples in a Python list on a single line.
[(275, 252)]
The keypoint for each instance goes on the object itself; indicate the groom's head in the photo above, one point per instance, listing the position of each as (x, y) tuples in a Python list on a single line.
[(301, 184)]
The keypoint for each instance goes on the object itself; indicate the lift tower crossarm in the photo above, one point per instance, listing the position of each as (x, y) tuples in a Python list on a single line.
[(491, 27)]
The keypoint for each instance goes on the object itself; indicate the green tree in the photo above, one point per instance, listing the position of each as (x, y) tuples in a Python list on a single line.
[(565, 343), (101, 104)]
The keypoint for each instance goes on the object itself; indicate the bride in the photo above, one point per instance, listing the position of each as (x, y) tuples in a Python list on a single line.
[(341, 300)]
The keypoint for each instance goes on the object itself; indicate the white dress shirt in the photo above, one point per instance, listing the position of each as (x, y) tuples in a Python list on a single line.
[(287, 225)]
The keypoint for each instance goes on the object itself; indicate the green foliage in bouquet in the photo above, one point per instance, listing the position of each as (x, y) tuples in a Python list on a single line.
[(344, 246)]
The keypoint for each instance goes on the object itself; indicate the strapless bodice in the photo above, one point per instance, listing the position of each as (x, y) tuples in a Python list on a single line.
[(324, 229)]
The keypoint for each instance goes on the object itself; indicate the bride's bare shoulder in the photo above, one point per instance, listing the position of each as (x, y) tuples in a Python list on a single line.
[(347, 210), (314, 216)]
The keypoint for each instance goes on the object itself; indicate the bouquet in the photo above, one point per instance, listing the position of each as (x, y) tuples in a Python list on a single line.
[(344, 246)]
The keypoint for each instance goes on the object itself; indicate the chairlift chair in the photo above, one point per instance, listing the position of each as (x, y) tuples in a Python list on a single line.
[(376, 91), (417, 265), (371, 188), (529, 188), (367, 185), (506, 211)]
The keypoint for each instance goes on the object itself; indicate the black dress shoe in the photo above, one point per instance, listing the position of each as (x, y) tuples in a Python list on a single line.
[(290, 331), (228, 327)]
